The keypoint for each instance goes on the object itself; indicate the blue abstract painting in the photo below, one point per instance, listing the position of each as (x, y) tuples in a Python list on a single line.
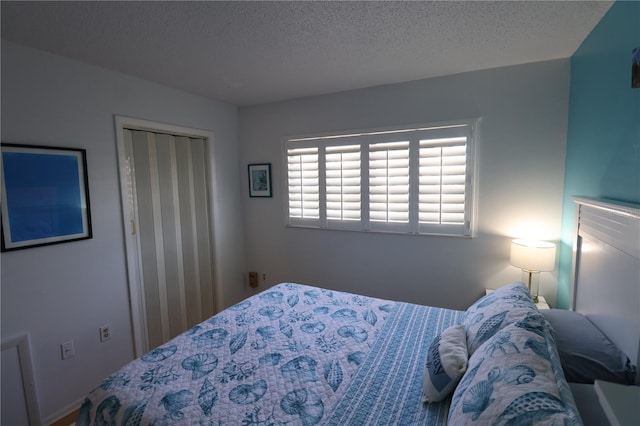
[(45, 196)]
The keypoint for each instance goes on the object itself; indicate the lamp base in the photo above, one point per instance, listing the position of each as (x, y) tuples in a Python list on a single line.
[(532, 279)]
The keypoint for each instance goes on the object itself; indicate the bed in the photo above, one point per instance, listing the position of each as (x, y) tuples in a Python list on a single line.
[(302, 355), (606, 245)]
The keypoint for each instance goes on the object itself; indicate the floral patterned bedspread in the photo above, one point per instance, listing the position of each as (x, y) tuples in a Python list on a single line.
[(284, 356)]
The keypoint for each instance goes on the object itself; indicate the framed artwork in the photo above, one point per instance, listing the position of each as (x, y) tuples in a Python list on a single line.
[(260, 180), (45, 196)]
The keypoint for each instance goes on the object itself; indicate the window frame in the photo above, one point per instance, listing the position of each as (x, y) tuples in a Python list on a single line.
[(366, 137)]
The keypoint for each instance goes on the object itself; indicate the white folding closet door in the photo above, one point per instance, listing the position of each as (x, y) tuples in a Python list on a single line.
[(170, 209)]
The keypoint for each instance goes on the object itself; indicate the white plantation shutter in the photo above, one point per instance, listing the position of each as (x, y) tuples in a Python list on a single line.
[(443, 176), (303, 183), (389, 182), (417, 180), (343, 183)]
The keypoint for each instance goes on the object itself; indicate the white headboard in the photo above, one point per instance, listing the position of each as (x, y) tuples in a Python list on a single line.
[(606, 270)]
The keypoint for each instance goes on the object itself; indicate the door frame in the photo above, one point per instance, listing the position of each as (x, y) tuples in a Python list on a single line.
[(134, 277)]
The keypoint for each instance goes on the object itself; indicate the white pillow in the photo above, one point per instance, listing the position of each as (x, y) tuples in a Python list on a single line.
[(446, 363)]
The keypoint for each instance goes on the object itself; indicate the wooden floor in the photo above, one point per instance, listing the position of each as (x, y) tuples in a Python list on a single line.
[(67, 420)]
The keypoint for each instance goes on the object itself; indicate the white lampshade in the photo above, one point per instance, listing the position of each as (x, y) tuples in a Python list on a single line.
[(534, 256)]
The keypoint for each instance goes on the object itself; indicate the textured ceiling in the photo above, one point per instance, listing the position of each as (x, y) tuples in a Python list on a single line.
[(256, 52)]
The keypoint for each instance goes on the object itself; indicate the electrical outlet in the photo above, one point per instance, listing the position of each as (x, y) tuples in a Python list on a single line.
[(264, 277), (253, 279), (105, 332), (66, 349)]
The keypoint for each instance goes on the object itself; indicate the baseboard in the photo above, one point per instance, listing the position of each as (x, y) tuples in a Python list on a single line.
[(62, 413)]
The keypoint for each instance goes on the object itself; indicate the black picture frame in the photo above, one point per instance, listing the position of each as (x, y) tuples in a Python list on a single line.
[(45, 196), (260, 180)]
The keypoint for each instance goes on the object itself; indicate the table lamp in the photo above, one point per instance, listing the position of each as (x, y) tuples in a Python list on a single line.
[(533, 257)]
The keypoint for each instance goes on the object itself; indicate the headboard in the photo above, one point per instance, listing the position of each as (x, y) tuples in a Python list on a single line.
[(606, 270)]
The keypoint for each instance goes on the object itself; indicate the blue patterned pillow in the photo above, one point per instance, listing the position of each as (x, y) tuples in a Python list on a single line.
[(495, 311), (515, 377), (446, 363)]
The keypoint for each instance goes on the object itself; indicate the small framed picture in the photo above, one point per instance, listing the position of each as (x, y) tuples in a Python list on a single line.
[(45, 196), (260, 180)]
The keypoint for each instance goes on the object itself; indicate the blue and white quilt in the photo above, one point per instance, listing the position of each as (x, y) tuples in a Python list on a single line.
[(291, 355)]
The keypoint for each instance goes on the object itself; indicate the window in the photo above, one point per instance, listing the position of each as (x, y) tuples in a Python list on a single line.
[(418, 180)]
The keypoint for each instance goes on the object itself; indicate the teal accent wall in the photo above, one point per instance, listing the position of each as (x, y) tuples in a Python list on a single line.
[(603, 140)]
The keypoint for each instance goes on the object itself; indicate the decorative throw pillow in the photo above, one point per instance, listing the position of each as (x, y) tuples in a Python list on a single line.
[(495, 311), (515, 378), (446, 363), (585, 352)]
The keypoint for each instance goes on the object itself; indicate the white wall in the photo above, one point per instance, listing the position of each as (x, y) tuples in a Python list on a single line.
[(521, 153), (67, 291)]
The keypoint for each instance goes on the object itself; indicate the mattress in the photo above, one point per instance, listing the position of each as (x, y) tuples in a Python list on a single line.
[(294, 355)]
